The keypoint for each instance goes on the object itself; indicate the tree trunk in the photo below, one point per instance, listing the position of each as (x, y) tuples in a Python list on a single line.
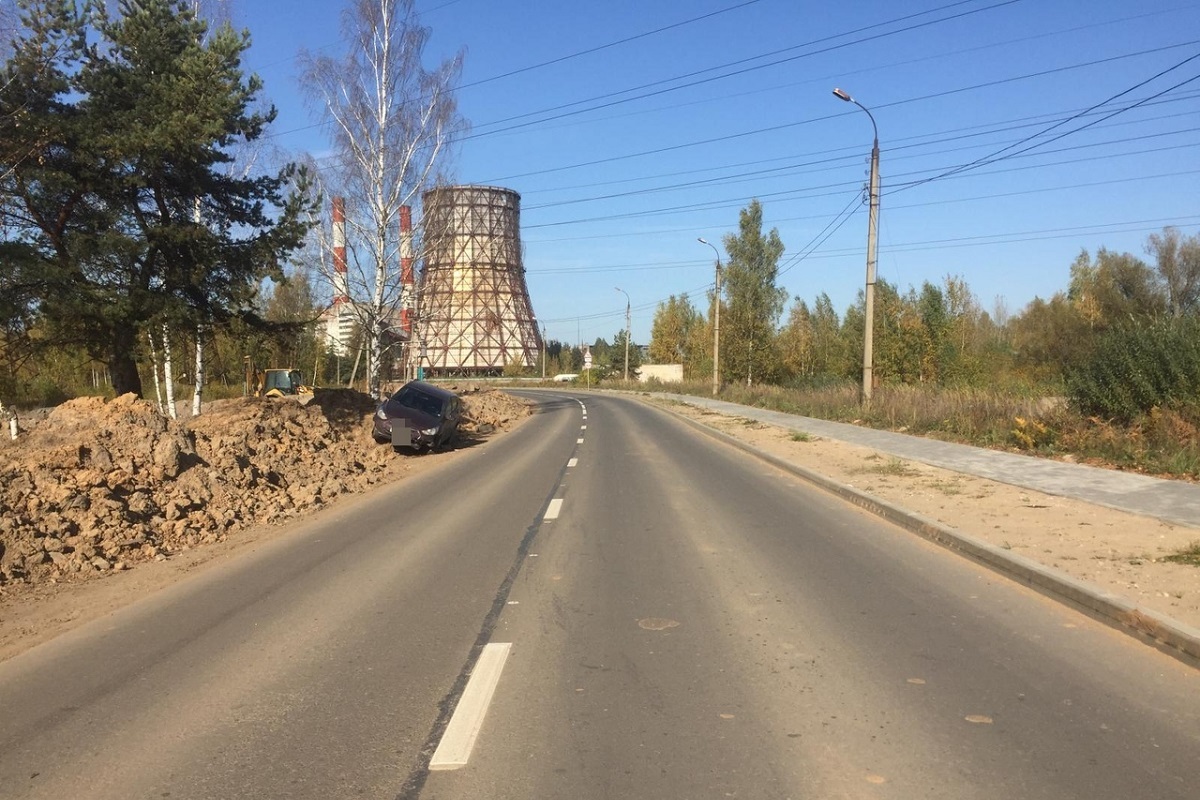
[(123, 363), (169, 373), (375, 361), (354, 372), (199, 371), (158, 398), (11, 416)]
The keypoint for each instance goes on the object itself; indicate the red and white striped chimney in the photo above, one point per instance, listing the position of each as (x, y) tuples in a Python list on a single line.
[(341, 286), (406, 269)]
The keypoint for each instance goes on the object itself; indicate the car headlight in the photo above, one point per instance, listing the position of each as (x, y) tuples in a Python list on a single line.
[(430, 432), (380, 413)]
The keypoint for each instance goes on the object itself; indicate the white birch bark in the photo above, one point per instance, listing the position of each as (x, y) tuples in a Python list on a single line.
[(10, 415), (158, 398), (199, 381), (168, 373)]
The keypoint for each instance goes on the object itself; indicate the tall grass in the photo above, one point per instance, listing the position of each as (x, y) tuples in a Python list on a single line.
[(1163, 442)]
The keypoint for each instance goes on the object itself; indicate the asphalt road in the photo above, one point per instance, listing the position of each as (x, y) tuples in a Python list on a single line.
[(684, 622)]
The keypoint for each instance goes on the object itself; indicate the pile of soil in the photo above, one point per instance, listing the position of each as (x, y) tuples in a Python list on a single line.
[(97, 486)]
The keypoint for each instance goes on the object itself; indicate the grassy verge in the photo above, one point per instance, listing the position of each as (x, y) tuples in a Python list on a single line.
[(1164, 442)]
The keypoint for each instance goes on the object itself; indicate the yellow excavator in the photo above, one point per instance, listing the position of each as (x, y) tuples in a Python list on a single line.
[(282, 383)]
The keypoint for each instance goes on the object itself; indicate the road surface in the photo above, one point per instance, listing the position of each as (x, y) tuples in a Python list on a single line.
[(663, 617)]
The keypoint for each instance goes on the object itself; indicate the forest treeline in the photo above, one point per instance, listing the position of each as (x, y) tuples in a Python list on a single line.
[(1116, 339)]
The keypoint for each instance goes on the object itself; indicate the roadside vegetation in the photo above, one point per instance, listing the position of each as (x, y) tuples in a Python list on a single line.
[(1106, 371), (1160, 442)]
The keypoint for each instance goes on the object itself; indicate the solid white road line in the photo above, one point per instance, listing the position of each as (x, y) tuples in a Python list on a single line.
[(572, 462), (459, 739), (553, 509)]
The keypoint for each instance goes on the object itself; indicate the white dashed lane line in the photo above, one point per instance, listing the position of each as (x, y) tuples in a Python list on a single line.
[(459, 739)]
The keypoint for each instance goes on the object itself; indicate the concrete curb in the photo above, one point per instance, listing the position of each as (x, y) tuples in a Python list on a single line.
[(1165, 634)]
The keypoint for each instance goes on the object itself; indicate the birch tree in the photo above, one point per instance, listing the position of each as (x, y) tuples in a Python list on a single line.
[(393, 122), (755, 302)]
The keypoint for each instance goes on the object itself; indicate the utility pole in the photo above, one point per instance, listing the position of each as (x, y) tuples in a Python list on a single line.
[(872, 244), (622, 291), (716, 381)]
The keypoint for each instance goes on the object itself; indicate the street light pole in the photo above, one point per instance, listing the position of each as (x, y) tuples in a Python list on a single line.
[(543, 353), (872, 244), (627, 334), (716, 382)]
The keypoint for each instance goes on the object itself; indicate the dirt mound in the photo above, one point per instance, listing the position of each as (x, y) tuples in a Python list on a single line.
[(486, 410), (99, 486)]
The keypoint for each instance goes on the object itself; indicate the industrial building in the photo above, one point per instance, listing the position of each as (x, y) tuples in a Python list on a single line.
[(474, 313)]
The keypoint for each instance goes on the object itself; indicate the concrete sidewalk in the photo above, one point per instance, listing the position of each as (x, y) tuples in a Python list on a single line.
[(1171, 501)]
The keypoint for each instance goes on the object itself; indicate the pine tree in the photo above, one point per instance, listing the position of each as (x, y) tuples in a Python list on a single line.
[(115, 179)]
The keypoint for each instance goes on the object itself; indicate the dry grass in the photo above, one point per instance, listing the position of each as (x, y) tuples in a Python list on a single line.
[(893, 466), (1190, 555), (1164, 442)]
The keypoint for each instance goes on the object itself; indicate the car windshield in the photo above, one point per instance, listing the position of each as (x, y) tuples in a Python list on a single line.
[(414, 398)]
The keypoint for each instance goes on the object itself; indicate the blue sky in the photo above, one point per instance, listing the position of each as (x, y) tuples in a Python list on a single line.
[(736, 102)]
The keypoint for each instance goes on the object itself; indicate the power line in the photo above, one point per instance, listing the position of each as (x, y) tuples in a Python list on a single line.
[(734, 73), (996, 156), (1005, 237), (606, 46), (917, 141), (793, 170), (955, 200), (822, 236), (810, 249), (813, 192), (729, 74), (842, 74), (773, 128)]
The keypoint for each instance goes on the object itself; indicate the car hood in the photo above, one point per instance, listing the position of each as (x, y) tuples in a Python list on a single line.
[(418, 419)]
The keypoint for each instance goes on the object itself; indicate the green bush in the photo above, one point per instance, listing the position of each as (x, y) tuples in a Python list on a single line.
[(1135, 369)]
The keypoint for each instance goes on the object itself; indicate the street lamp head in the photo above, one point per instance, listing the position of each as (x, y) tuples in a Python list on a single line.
[(701, 240), (841, 95)]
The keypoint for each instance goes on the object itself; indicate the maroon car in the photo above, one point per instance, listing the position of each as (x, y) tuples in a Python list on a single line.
[(420, 416)]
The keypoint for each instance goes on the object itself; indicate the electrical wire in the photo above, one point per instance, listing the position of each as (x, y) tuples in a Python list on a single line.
[(605, 46), (813, 192), (855, 152), (773, 128), (997, 155), (842, 74), (734, 73), (823, 165)]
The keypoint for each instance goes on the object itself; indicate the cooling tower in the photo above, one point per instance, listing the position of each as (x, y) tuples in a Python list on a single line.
[(474, 304)]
